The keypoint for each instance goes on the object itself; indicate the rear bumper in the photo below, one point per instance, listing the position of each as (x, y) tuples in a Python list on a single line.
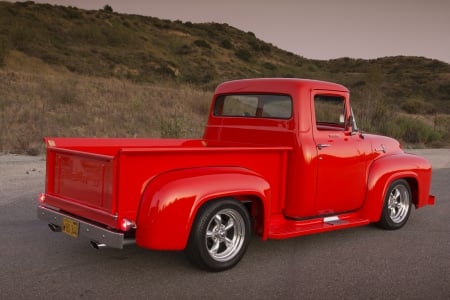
[(86, 230)]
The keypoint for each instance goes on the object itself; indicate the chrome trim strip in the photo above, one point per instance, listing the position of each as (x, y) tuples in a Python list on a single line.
[(330, 219), (87, 230)]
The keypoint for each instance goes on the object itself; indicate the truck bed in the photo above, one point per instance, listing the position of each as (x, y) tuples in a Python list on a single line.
[(101, 180)]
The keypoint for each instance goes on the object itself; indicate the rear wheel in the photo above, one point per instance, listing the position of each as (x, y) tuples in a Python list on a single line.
[(219, 236), (397, 205)]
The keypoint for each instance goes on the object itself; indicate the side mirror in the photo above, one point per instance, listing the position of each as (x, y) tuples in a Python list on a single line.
[(351, 126)]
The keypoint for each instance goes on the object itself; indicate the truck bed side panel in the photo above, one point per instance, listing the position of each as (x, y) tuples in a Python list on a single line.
[(139, 166)]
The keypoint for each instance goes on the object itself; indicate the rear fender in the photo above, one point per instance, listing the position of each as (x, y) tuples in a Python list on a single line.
[(416, 170), (170, 201)]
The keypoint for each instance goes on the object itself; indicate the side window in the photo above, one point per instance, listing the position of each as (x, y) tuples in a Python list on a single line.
[(330, 112)]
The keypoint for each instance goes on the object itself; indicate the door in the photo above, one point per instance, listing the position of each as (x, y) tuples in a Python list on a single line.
[(341, 155)]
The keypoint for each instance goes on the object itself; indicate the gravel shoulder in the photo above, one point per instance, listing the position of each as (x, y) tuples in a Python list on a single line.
[(439, 158), (21, 177)]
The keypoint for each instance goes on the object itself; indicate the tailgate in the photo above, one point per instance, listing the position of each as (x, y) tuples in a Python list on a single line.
[(81, 183)]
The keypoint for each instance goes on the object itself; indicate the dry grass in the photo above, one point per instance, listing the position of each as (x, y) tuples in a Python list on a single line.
[(58, 103), (38, 99)]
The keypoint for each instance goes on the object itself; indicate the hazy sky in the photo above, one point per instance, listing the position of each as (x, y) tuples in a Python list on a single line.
[(320, 29)]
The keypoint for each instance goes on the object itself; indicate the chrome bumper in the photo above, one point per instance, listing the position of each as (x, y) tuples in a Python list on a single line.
[(86, 230)]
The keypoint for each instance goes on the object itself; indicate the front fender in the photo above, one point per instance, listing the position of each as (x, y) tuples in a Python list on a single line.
[(171, 200), (383, 171)]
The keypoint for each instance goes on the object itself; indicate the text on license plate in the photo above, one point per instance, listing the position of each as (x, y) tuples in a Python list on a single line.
[(70, 227)]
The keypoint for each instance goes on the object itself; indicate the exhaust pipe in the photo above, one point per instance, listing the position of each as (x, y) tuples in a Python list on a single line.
[(54, 228), (97, 245)]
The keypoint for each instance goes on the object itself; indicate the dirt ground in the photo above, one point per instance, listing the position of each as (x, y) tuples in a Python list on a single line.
[(20, 175)]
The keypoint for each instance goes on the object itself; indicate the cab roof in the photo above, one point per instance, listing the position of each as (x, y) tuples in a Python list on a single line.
[(276, 85)]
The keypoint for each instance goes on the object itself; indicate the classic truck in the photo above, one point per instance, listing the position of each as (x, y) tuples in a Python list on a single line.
[(279, 158)]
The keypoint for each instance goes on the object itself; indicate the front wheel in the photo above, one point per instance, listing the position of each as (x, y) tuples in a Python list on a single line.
[(219, 236), (397, 205)]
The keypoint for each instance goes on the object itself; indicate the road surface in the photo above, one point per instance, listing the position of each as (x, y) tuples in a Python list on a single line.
[(359, 263)]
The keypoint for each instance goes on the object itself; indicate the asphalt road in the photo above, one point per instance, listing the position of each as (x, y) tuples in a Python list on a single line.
[(359, 263)]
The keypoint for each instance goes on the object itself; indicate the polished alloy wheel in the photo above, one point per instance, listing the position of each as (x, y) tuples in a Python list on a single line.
[(225, 235), (220, 235), (398, 203)]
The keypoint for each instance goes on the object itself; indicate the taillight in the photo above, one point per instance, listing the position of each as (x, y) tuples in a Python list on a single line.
[(41, 198), (126, 225)]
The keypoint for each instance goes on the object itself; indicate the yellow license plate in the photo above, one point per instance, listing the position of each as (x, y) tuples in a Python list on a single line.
[(70, 227)]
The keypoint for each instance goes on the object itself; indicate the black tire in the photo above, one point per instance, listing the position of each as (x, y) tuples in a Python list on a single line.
[(397, 206), (219, 236)]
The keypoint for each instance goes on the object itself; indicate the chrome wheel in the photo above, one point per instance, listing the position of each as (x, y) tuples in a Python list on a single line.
[(220, 235), (225, 235), (398, 203)]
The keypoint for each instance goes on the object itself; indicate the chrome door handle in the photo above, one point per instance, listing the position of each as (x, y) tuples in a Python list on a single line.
[(321, 146)]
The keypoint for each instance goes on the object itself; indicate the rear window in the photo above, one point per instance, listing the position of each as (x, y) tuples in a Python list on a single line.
[(254, 106)]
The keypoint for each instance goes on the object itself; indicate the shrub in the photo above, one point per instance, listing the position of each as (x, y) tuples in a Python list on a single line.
[(108, 8), (226, 44), (269, 66), (202, 44), (184, 50), (259, 46), (414, 131), (442, 125), (244, 55), (171, 128), (72, 13), (166, 70), (3, 51), (418, 106)]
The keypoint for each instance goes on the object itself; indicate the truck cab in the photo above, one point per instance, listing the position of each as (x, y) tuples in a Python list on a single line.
[(315, 119)]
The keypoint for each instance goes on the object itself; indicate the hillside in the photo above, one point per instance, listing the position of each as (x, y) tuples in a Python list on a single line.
[(63, 54)]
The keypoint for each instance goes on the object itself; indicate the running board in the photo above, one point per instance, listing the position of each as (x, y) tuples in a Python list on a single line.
[(290, 228)]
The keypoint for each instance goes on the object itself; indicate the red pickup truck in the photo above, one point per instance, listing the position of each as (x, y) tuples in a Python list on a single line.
[(279, 158)]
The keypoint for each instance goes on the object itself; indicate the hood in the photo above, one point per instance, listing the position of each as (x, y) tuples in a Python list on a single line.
[(383, 145)]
